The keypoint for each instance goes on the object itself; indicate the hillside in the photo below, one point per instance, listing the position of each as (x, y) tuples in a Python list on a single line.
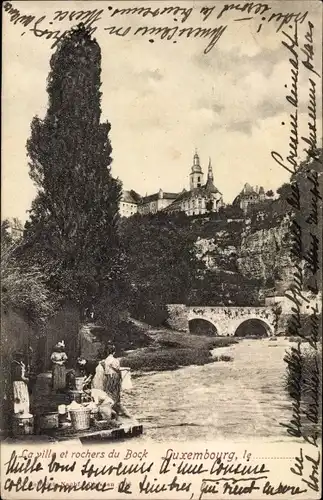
[(222, 258)]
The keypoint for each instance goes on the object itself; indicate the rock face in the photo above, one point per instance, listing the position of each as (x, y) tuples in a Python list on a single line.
[(259, 249), (216, 252), (265, 254), (218, 243)]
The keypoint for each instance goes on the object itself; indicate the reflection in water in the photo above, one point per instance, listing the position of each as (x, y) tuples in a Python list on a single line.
[(235, 400)]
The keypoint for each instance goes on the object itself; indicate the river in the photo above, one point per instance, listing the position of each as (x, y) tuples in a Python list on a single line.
[(237, 400)]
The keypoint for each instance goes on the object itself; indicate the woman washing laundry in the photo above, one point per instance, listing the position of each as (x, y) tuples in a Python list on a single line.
[(103, 402), (108, 378), (86, 369)]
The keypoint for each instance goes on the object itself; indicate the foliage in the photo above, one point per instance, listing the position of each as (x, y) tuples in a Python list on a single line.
[(304, 368), (161, 262), (225, 288), (72, 229), (126, 336), (304, 325), (6, 238), (277, 311), (23, 289), (308, 183), (231, 212)]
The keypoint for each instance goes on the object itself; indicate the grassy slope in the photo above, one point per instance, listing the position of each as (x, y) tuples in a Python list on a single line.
[(170, 350)]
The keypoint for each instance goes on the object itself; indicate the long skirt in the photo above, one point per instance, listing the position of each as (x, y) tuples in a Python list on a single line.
[(20, 397), (59, 377), (113, 386)]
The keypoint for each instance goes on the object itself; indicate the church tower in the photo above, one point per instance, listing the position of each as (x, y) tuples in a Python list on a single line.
[(196, 175)]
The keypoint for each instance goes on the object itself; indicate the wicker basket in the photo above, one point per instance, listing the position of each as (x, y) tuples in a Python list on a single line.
[(80, 419)]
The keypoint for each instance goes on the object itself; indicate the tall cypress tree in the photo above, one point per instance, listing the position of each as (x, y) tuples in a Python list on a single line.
[(72, 229)]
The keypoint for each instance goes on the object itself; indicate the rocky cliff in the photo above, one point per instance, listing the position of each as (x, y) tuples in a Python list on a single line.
[(257, 247), (264, 253)]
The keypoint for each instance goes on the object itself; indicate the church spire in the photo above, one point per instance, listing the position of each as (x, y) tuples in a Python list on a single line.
[(210, 171), (196, 162), (196, 175)]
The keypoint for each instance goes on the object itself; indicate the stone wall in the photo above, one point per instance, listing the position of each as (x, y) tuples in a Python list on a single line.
[(177, 317)]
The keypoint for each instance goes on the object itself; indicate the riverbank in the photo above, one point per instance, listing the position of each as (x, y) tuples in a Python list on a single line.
[(170, 350)]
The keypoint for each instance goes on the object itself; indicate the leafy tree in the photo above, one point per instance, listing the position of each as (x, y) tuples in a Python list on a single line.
[(72, 230), (301, 198), (270, 193), (6, 238), (284, 190), (161, 262), (222, 287), (23, 288), (231, 212)]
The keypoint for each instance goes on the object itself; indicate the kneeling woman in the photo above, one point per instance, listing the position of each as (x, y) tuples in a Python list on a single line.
[(108, 378)]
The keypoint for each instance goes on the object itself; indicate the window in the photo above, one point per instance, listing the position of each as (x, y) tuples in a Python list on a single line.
[(199, 179)]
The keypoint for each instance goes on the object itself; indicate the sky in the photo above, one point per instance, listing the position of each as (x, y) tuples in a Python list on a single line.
[(165, 99)]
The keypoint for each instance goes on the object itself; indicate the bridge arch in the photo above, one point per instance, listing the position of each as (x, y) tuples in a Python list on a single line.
[(202, 326), (253, 327)]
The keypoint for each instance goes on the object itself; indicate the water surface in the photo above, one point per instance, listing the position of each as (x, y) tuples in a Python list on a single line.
[(236, 400)]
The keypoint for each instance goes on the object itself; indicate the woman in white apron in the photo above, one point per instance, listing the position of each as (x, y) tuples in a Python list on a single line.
[(21, 401), (112, 375), (59, 359)]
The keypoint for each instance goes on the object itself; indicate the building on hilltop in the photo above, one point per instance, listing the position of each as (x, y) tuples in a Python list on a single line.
[(249, 196), (201, 198), (15, 228), (155, 202), (132, 203), (129, 203)]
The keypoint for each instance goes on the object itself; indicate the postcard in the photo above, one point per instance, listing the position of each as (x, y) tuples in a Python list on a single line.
[(161, 250)]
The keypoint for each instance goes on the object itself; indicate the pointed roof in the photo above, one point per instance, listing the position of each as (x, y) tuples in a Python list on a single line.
[(210, 171), (210, 187)]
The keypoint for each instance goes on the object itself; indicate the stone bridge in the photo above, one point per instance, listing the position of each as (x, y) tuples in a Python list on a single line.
[(223, 321)]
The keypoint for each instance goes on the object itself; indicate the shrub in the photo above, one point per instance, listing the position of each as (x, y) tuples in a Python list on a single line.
[(304, 374), (23, 289)]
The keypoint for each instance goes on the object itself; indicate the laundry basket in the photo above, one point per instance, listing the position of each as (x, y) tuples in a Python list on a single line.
[(80, 419)]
